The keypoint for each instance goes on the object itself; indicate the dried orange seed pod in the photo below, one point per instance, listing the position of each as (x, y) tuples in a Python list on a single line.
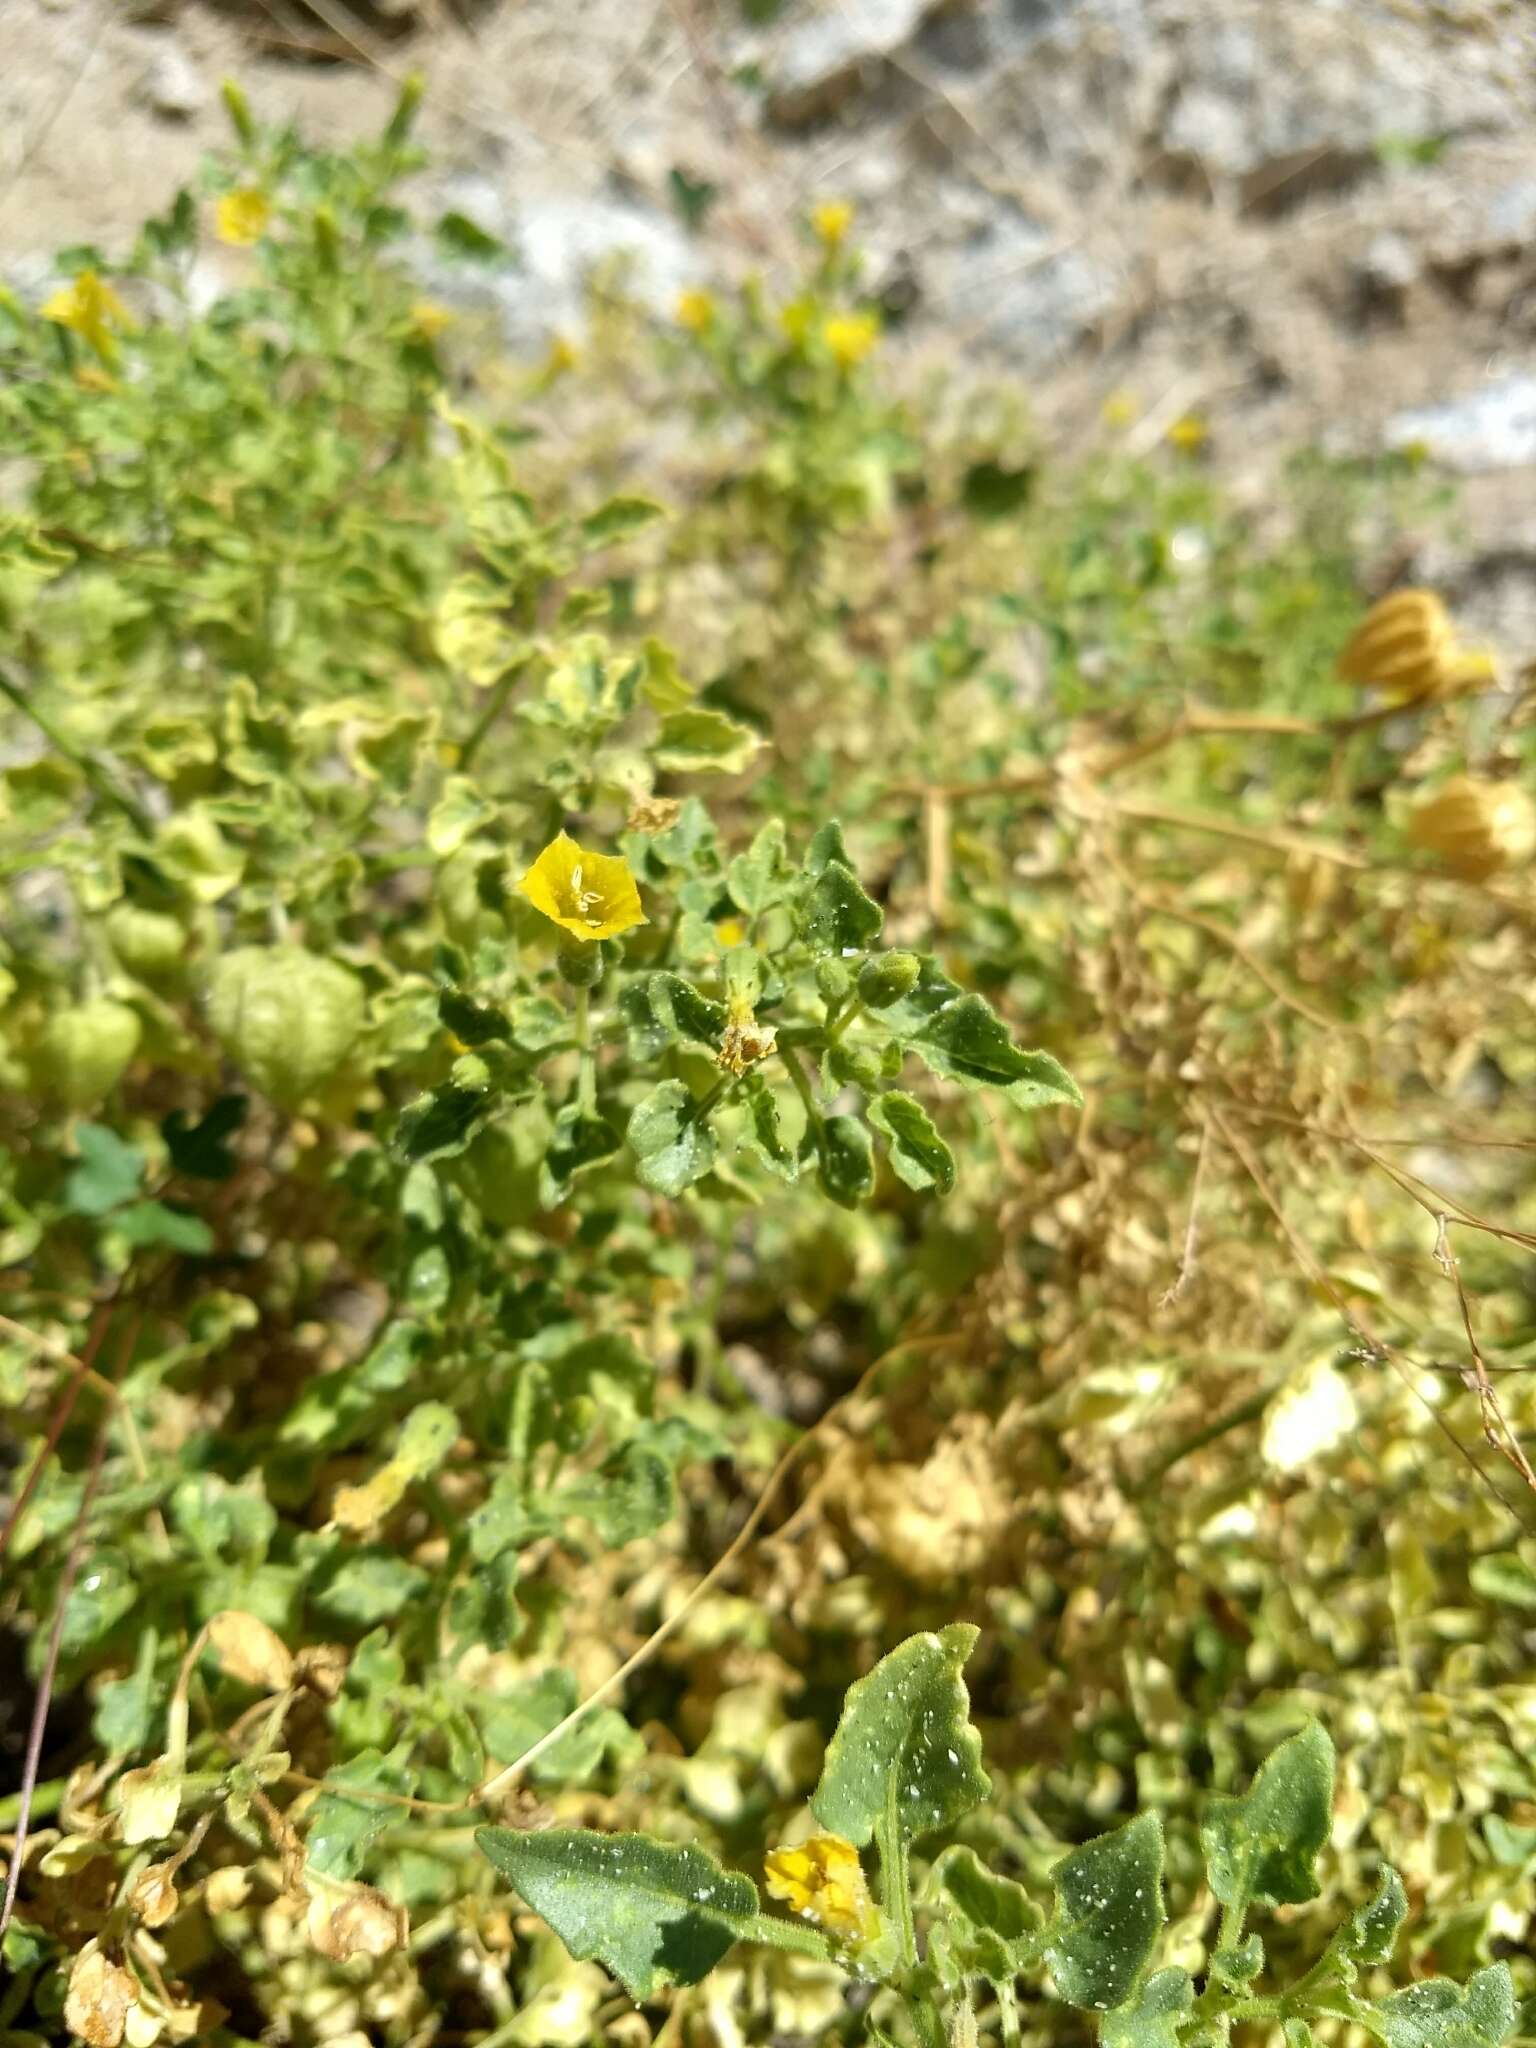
[(1477, 828)]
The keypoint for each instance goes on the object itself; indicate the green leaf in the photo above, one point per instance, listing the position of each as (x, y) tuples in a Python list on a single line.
[(904, 1739), (470, 1022), (673, 1147), (1439, 2014), (756, 879), (619, 518), (651, 1912), (1370, 1935), (631, 1495), (127, 1709), (693, 197), (827, 844), (919, 1156), (966, 1041), (371, 1586), (1505, 1578), (458, 235), (340, 1831), (109, 1172), (1109, 1910), (845, 1154), (835, 914), (201, 1150), (989, 491), (659, 1009), (1263, 1844), (579, 1144), (699, 741), (664, 687), (999, 1922), (1153, 2018), (766, 1140), (440, 1125), (157, 1223)]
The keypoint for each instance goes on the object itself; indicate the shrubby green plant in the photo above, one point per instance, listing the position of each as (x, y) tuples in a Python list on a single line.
[(521, 993)]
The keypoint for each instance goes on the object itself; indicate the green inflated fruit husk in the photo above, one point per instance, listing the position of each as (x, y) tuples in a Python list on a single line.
[(83, 1053), (286, 1017)]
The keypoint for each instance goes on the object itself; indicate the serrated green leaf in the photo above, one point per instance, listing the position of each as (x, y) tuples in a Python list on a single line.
[(1000, 1923), (1153, 2018), (1370, 1935), (109, 1172), (339, 1831), (845, 1156), (1263, 1844), (1439, 2014), (470, 1022), (651, 1912), (370, 1586), (835, 914), (904, 1736), (766, 1140), (673, 1146), (757, 878), (631, 1495), (1109, 1911), (440, 1125), (700, 741), (919, 1156), (966, 1041)]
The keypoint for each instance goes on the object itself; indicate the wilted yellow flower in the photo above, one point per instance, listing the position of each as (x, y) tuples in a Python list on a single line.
[(832, 220), (1406, 647), (242, 216), (652, 814), (428, 318), (90, 308), (1476, 827), (695, 310), (744, 1041), (589, 895), (1188, 434), (796, 319), (850, 337), (823, 1880)]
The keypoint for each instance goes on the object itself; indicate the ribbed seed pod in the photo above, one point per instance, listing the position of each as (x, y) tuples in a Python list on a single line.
[(1477, 828), (1402, 646)]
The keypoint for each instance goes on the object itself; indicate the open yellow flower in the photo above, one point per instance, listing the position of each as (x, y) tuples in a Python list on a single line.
[(831, 221), (823, 1880), (90, 308), (429, 320), (1189, 434), (242, 216), (590, 895), (695, 310), (850, 337), (1406, 647)]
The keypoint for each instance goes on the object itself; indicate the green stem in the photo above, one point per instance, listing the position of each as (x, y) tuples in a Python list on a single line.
[(895, 1884), (104, 784), (1235, 1418), (803, 1089), (495, 704), (46, 1799), (836, 1026), (587, 1083), (789, 1934)]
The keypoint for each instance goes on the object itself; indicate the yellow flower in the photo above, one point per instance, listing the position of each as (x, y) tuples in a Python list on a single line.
[(1188, 434), (90, 308), (796, 320), (695, 310), (1119, 409), (242, 216), (589, 895), (1405, 646), (850, 337), (562, 356), (428, 319), (1476, 827), (832, 220), (730, 931), (823, 1880)]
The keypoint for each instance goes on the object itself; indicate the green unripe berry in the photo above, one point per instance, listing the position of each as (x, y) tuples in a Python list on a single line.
[(888, 977), (149, 943), (580, 963)]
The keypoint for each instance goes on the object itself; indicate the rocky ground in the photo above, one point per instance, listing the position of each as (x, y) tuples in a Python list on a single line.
[(1311, 220)]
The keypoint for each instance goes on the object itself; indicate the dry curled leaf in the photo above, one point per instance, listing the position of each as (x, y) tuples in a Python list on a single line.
[(100, 1996), (154, 1897), (250, 1651), (321, 1668), (357, 1921)]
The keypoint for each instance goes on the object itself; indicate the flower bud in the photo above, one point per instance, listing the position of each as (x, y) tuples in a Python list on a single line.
[(1477, 828), (887, 978), (286, 1017), (833, 980), (83, 1053)]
